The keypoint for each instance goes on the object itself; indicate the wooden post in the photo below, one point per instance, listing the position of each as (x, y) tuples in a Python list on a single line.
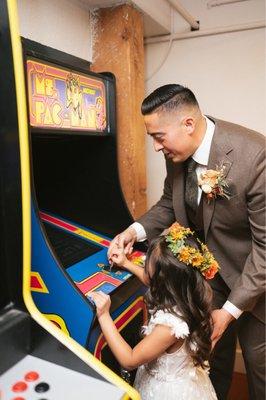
[(117, 36)]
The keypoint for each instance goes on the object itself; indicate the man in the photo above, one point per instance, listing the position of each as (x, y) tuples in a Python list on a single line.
[(230, 218)]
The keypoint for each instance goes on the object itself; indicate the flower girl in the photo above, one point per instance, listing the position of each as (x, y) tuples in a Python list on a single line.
[(172, 358)]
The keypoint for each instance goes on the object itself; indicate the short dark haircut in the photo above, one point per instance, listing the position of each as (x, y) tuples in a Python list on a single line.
[(168, 98)]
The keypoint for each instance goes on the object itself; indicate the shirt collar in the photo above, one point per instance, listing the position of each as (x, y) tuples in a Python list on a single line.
[(201, 155)]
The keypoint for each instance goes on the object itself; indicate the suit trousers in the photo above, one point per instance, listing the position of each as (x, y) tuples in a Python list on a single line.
[(251, 334)]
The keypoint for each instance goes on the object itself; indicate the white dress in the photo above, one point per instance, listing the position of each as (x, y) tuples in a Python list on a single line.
[(172, 376)]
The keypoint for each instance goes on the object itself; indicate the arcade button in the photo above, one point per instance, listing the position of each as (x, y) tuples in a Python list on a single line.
[(18, 398), (31, 376), (19, 386), (42, 387)]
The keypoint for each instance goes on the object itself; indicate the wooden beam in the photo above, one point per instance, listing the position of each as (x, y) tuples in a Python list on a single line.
[(117, 47)]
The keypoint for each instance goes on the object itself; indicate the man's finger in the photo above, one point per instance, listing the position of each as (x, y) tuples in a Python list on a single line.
[(121, 242), (113, 244), (129, 248), (214, 342)]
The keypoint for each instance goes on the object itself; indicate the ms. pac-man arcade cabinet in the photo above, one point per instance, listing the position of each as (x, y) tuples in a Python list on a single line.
[(77, 202), (38, 360)]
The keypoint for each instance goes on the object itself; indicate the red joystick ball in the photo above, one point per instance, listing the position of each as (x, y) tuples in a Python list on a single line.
[(31, 376), (19, 386)]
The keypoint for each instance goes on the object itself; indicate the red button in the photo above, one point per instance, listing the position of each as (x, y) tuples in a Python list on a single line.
[(19, 398), (31, 376), (19, 387)]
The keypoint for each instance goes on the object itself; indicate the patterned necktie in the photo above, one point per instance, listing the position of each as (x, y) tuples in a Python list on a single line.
[(191, 190)]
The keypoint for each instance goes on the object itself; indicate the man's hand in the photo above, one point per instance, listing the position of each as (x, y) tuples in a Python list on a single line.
[(124, 240), (221, 319)]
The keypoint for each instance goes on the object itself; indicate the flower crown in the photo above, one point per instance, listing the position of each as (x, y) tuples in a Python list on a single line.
[(202, 258)]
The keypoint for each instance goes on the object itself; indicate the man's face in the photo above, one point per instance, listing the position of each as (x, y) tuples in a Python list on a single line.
[(171, 134)]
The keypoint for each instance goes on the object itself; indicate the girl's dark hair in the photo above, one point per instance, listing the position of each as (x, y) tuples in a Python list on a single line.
[(177, 286)]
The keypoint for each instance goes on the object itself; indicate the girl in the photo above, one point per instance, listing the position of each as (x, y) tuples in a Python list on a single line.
[(172, 357)]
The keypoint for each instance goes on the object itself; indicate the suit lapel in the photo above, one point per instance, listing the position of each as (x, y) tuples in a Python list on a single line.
[(220, 156)]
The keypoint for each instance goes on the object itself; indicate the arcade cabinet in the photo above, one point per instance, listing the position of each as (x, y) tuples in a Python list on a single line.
[(48, 324), (77, 202)]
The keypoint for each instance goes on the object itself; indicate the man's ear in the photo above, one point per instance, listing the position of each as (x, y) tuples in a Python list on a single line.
[(188, 124)]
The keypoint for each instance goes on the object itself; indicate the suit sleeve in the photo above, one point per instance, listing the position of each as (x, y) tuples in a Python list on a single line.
[(251, 283), (161, 215)]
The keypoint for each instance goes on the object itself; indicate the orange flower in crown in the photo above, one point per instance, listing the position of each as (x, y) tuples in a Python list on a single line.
[(201, 258), (178, 231), (184, 255), (211, 271)]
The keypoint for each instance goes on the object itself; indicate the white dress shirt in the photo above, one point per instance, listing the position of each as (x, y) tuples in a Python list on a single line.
[(201, 156)]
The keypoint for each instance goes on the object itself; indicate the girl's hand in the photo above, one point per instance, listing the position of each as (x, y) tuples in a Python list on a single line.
[(125, 240), (119, 257), (102, 302)]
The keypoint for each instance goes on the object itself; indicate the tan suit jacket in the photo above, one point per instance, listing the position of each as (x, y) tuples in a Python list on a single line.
[(234, 228)]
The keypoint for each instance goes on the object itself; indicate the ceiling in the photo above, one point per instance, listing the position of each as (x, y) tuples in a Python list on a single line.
[(159, 15), (156, 13)]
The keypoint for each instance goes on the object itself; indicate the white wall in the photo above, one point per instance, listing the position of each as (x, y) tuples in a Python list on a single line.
[(226, 72), (61, 24)]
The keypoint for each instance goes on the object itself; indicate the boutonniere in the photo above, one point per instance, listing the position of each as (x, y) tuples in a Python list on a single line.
[(212, 183)]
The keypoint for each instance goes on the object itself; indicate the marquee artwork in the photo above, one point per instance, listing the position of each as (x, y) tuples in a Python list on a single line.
[(65, 100)]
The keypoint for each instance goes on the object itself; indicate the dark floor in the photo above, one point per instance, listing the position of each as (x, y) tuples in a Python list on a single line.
[(239, 387)]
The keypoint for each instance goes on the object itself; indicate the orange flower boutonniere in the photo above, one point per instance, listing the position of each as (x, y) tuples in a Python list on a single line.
[(212, 183)]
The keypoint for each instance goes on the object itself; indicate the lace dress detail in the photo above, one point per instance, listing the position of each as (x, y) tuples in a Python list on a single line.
[(172, 376)]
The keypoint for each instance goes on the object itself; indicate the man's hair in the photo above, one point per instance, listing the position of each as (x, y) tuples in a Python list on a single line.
[(167, 98)]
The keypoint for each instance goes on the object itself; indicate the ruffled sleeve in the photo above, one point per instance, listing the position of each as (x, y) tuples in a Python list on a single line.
[(179, 328)]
